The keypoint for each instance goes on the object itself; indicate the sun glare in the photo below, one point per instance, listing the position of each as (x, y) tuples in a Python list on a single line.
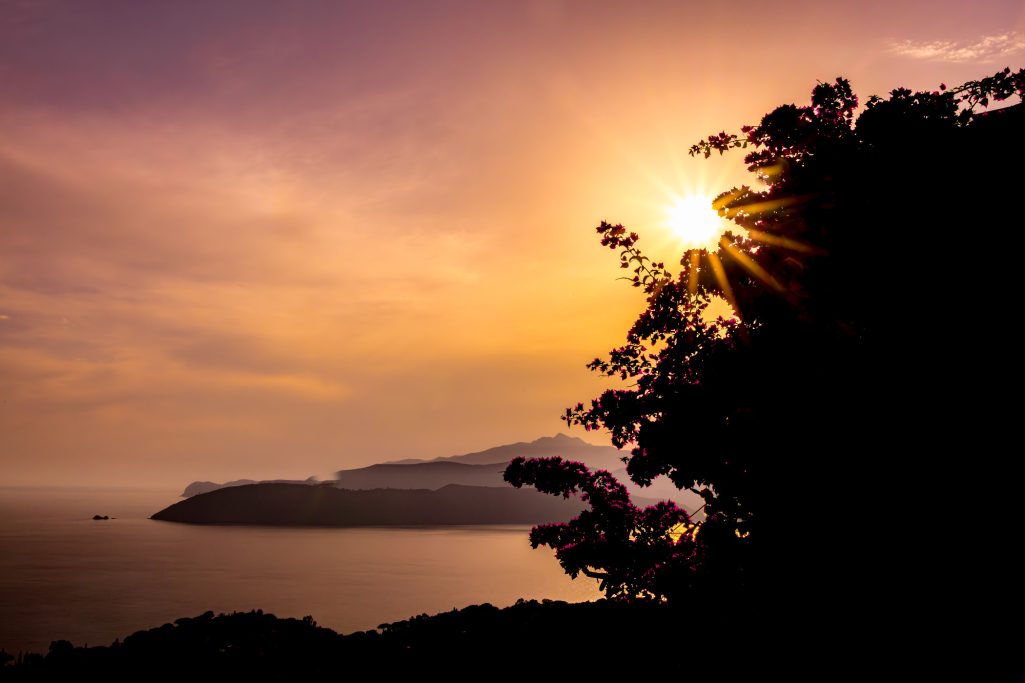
[(693, 220)]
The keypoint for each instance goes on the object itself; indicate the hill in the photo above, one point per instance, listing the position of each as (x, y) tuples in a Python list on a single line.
[(422, 475), (479, 641), (303, 505)]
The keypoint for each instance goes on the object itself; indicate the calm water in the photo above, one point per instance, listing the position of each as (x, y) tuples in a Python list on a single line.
[(63, 575)]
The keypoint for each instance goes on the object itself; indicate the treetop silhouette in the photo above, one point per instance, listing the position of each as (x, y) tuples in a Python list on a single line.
[(862, 286)]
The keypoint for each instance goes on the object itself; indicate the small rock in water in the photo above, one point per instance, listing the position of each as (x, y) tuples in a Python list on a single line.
[(99, 517)]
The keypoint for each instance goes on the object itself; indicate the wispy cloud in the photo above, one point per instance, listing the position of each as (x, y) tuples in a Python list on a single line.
[(984, 49)]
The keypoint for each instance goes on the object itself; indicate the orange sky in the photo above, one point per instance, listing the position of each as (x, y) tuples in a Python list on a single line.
[(268, 240)]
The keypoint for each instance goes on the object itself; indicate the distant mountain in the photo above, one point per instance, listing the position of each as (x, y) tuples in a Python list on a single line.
[(567, 447), (302, 505), (661, 489), (461, 469), (421, 475), (198, 487), (483, 468)]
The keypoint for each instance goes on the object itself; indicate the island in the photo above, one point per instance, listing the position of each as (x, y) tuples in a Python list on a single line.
[(326, 505)]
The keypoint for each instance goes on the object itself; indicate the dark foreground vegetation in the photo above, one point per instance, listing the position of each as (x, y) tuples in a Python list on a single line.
[(543, 640), (529, 638)]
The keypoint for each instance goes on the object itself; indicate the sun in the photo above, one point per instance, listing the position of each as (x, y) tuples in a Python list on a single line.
[(695, 223)]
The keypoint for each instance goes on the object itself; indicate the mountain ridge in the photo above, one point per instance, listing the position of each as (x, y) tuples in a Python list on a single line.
[(563, 445), (468, 470)]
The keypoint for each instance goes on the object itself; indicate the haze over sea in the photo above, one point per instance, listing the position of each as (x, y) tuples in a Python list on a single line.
[(65, 576)]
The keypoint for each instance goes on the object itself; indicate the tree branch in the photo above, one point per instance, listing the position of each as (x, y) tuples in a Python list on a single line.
[(593, 575)]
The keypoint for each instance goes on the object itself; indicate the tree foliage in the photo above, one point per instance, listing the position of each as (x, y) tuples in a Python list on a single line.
[(868, 272), (632, 552)]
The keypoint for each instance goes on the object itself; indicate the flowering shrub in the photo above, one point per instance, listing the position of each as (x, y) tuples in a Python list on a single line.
[(633, 552)]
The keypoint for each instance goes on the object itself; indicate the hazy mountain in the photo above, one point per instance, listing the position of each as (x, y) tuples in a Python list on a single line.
[(661, 489), (422, 475), (461, 469), (567, 447), (301, 505), (198, 487), (483, 468), (436, 474)]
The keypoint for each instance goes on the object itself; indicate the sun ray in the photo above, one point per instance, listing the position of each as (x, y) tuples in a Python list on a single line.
[(720, 277), (694, 272), (757, 208), (750, 265), (785, 242)]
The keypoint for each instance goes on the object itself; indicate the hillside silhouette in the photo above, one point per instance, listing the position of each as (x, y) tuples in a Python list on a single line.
[(481, 641)]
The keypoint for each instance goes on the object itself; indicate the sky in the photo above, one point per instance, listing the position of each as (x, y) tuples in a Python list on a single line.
[(272, 240)]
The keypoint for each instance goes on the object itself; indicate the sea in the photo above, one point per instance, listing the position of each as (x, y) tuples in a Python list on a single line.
[(64, 576)]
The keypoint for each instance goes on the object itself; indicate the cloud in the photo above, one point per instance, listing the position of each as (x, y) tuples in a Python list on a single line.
[(984, 49)]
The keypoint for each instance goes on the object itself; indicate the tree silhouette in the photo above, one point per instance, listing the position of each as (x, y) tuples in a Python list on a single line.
[(857, 392)]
